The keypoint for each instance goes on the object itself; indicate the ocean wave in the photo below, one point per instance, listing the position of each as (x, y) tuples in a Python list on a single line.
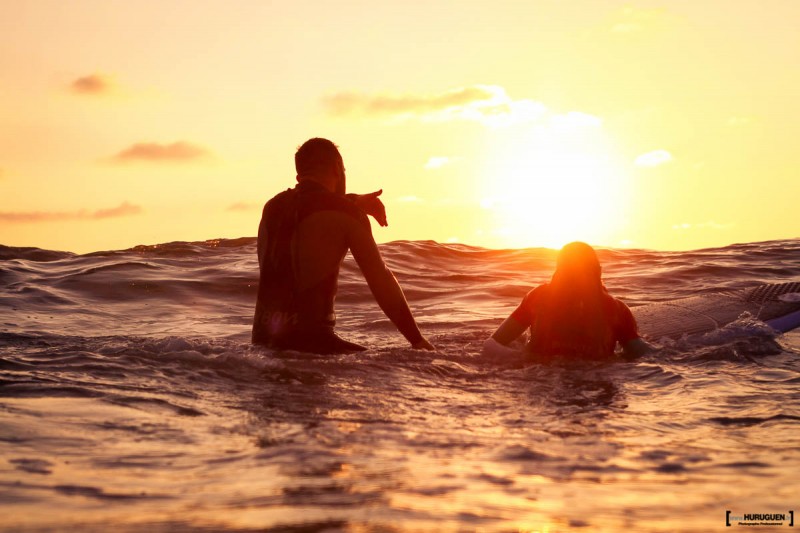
[(128, 384)]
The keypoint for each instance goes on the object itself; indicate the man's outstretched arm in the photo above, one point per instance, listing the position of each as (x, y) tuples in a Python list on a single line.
[(371, 205), (384, 285)]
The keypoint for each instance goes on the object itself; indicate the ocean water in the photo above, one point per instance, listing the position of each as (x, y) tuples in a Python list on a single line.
[(131, 400)]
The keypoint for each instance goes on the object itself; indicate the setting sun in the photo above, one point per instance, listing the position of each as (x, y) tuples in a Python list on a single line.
[(556, 184)]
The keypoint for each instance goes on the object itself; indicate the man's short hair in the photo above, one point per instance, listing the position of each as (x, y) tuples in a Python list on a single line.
[(315, 156)]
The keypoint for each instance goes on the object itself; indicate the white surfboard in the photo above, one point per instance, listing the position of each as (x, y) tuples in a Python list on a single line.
[(776, 304)]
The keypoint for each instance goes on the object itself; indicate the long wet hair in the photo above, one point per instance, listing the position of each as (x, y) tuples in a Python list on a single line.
[(574, 308), (578, 272)]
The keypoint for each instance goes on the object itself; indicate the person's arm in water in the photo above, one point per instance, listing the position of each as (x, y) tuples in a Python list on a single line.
[(384, 285), (508, 332), (633, 345), (511, 328), (636, 348)]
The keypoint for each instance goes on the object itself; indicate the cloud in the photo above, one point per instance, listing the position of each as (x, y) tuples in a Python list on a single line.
[(177, 152), (488, 104), (653, 159), (242, 206), (122, 210), (93, 84), (345, 103), (438, 162)]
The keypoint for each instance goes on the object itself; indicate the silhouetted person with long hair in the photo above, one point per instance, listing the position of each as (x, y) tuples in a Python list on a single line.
[(303, 237), (572, 316)]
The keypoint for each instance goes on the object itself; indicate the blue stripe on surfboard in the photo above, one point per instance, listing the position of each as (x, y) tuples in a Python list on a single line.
[(786, 322)]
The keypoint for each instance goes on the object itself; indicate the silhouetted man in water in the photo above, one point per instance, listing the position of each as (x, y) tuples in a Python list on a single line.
[(303, 237)]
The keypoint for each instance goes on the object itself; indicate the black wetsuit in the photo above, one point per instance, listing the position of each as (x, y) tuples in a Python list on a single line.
[(303, 237)]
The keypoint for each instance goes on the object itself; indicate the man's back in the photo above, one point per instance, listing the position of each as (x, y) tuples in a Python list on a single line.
[(303, 237)]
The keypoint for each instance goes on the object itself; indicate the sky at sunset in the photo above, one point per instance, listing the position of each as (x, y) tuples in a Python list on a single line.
[(663, 125)]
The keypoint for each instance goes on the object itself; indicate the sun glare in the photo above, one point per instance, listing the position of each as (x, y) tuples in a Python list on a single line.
[(556, 186)]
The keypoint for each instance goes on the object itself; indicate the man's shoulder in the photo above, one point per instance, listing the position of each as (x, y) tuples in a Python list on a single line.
[(309, 201), (320, 201), (313, 199), (279, 199)]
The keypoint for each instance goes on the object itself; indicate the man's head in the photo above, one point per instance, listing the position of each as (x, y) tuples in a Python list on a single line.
[(319, 160)]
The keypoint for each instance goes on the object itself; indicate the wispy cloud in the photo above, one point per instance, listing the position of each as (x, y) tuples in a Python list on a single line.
[(177, 152), (409, 199), (346, 103), (122, 210), (242, 206), (93, 84), (488, 104), (438, 162), (653, 159)]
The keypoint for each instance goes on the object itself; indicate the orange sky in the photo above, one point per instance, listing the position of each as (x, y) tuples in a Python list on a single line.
[(666, 125)]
